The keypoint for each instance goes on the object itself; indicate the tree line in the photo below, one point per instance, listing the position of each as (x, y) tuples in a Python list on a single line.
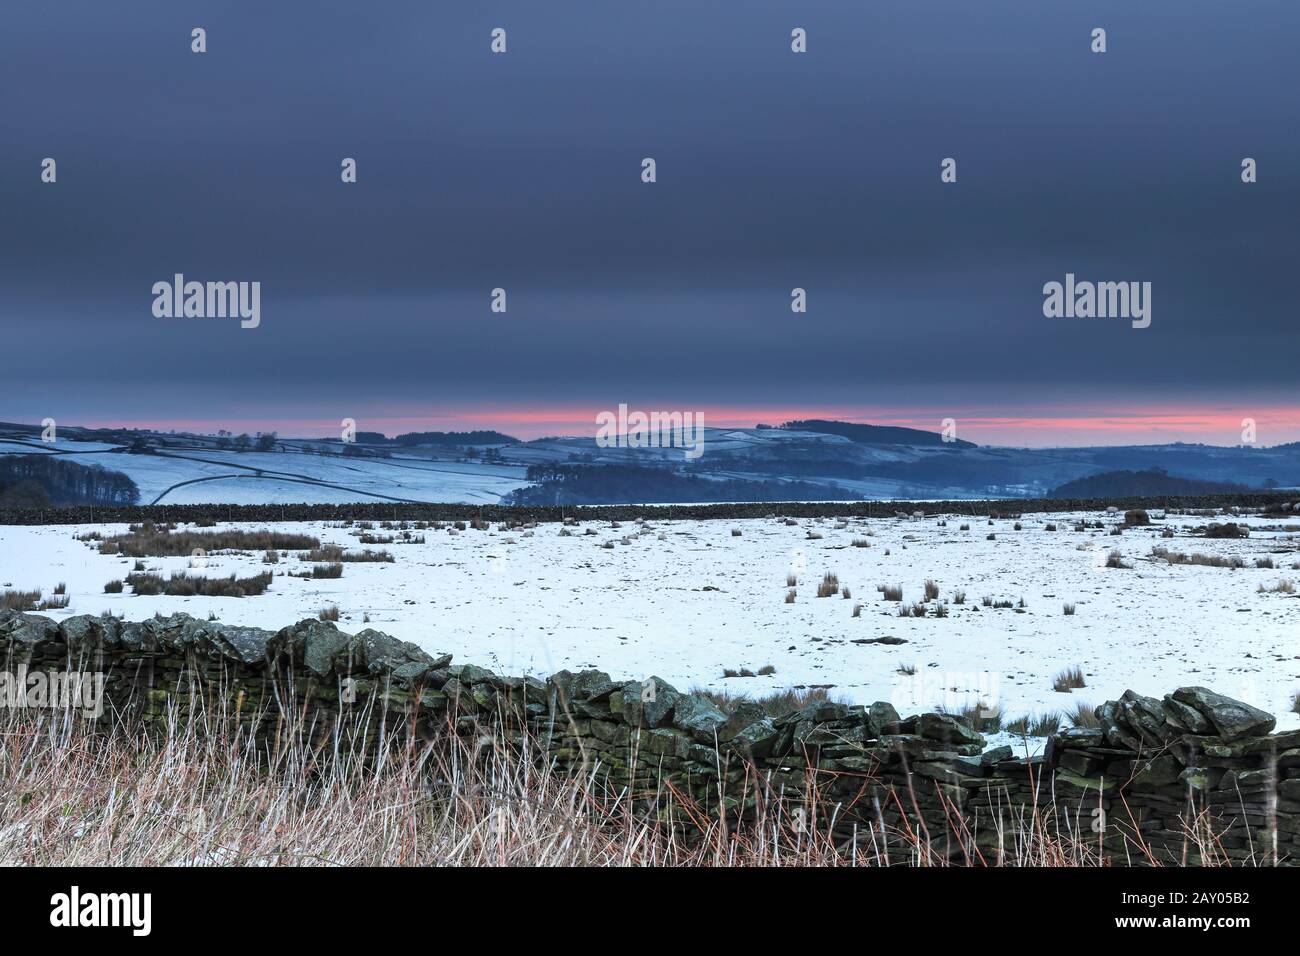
[(38, 481)]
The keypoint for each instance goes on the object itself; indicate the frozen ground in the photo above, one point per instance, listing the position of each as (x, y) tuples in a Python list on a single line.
[(686, 600)]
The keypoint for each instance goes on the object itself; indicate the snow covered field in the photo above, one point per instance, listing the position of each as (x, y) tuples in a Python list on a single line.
[(201, 476), (685, 600)]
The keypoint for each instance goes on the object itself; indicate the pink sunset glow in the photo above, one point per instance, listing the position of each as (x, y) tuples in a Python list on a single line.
[(1042, 427)]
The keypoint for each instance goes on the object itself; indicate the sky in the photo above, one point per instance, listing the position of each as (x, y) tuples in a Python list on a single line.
[(775, 170)]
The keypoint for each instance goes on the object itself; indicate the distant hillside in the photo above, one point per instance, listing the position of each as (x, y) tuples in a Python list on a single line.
[(629, 484), (874, 434), (829, 460), (455, 438), (1115, 484)]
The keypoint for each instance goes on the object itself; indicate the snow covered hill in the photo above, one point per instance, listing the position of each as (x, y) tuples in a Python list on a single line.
[(212, 476)]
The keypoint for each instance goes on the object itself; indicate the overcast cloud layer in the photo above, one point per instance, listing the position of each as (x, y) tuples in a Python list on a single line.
[(522, 171)]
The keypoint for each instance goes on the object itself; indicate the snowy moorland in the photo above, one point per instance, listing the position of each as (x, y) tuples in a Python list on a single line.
[(180, 469), (692, 601)]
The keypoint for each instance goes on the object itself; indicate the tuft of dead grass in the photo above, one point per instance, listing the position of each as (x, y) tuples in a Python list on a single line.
[(1067, 680), (1034, 725), (1279, 587), (1202, 560), (774, 705), (19, 600)]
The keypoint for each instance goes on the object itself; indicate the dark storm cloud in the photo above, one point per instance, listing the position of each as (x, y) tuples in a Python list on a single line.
[(522, 171)]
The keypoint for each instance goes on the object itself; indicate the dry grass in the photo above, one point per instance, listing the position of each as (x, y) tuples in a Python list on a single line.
[(185, 585), (829, 587), (931, 590), (19, 600), (774, 704), (1034, 725), (366, 556), (891, 592), (1203, 560), (203, 793), (1280, 587), (156, 541), (1067, 680), (333, 554), (328, 552), (330, 613), (1229, 530), (1083, 716)]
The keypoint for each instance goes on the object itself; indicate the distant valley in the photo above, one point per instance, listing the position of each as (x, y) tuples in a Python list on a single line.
[(807, 460)]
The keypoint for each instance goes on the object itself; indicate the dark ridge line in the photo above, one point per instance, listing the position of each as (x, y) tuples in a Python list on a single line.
[(993, 508)]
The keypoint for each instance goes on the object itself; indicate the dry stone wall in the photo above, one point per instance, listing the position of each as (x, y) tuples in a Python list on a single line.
[(1281, 504), (1193, 777)]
